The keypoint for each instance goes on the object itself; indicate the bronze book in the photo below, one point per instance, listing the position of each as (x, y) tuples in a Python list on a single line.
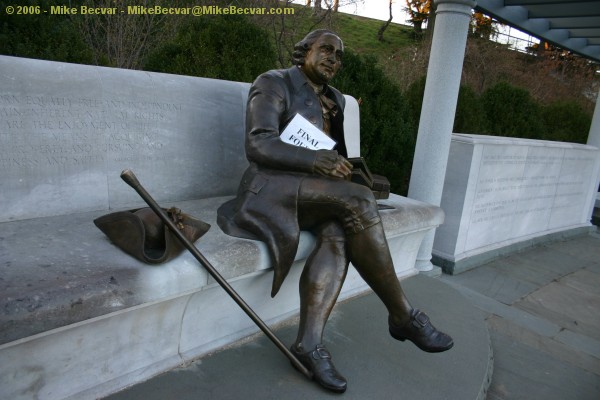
[(361, 174)]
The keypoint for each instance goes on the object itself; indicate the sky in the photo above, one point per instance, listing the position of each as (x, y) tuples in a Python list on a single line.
[(378, 9)]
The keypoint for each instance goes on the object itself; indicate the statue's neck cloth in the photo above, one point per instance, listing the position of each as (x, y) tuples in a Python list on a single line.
[(328, 106)]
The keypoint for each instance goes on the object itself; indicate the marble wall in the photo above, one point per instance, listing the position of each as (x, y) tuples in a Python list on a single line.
[(67, 131), (499, 191)]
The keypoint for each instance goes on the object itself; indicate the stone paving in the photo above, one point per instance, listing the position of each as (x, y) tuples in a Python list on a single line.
[(543, 315)]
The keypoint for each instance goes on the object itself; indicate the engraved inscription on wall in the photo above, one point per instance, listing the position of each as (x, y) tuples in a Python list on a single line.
[(501, 191), (514, 186), (40, 132)]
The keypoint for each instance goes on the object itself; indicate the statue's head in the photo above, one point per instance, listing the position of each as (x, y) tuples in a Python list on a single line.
[(319, 55)]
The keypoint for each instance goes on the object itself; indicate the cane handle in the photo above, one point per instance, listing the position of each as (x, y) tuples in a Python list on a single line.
[(129, 177)]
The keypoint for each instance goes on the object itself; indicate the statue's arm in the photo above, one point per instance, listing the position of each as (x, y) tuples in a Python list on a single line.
[(266, 107)]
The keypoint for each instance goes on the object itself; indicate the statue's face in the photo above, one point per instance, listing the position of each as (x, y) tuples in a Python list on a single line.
[(323, 59)]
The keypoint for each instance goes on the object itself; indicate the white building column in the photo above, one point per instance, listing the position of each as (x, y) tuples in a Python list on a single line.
[(594, 140), (438, 110), (594, 136)]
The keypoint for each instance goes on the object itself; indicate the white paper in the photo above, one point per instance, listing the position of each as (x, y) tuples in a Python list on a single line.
[(300, 132)]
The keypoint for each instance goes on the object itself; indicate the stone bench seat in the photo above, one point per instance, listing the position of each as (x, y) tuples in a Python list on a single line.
[(63, 270)]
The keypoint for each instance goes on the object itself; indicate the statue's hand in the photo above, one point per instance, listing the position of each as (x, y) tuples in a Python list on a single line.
[(329, 163)]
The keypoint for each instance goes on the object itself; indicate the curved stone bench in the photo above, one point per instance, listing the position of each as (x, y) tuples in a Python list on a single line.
[(81, 319)]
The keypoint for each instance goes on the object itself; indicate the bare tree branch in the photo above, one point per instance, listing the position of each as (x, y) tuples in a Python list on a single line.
[(384, 26), (125, 39)]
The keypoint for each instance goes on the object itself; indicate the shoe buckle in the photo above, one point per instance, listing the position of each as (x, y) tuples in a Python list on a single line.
[(420, 319), (321, 353)]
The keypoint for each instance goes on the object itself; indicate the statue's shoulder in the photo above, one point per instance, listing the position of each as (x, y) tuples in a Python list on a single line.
[(273, 75), (276, 80)]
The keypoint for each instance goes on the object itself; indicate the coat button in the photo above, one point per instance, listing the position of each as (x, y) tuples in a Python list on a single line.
[(313, 119), (308, 102)]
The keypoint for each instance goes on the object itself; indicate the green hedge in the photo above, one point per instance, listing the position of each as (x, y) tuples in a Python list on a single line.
[(228, 47), (566, 121), (470, 113), (387, 128), (511, 111), (43, 36), (506, 110)]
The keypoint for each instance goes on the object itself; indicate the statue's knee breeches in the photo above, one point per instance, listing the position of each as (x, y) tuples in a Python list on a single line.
[(360, 210), (352, 205)]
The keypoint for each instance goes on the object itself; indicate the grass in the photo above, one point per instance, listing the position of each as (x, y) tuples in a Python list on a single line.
[(358, 33)]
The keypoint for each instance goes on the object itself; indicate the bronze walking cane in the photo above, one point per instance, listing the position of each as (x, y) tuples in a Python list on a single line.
[(129, 177)]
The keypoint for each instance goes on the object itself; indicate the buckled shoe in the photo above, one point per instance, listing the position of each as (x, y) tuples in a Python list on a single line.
[(422, 333), (318, 361)]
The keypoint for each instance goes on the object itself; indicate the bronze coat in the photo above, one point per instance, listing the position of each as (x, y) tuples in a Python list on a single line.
[(266, 204)]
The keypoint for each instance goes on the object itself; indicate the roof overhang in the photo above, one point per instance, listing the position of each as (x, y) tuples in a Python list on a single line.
[(570, 24)]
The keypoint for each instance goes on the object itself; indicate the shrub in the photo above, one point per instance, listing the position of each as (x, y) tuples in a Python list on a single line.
[(388, 132), (228, 47), (505, 110), (511, 111), (414, 96), (43, 36), (470, 113), (567, 121)]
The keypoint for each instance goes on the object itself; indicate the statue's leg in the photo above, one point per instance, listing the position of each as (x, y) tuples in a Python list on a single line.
[(356, 209), (320, 284), (369, 253)]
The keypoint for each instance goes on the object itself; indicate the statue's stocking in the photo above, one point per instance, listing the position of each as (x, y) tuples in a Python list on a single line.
[(320, 285), (369, 253)]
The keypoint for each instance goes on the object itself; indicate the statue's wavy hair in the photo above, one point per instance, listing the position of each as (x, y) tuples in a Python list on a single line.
[(302, 47)]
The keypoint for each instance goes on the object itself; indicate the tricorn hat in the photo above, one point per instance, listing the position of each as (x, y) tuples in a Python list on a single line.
[(143, 235)]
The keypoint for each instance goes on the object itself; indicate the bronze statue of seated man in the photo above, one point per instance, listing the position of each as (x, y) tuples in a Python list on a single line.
[(288, 188)]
